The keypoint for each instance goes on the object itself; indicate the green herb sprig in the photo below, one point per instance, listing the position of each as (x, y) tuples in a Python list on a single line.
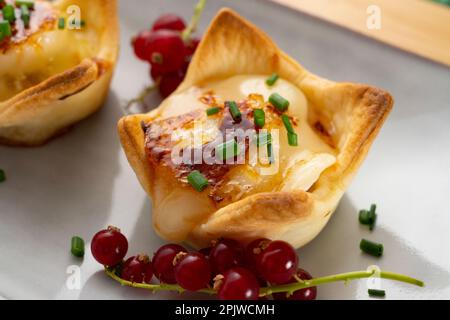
[(287, 288)]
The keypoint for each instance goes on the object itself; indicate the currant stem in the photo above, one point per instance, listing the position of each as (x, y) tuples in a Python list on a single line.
[(186, 34), (289, 288), (292, 287), (140, 98), (153, 287)]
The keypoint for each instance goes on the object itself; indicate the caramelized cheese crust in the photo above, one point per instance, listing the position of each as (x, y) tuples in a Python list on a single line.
[(42, 17), (159, 143)]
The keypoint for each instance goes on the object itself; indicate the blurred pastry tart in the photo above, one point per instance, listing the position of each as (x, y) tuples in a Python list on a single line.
[(320, 132), (56, 63)]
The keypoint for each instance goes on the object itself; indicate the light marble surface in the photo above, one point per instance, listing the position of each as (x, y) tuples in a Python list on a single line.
[(81, 182)]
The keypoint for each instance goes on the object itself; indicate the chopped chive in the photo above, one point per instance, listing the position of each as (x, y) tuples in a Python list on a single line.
[(2, 176), (364, 217), (372, 248), (272, 79), (279, 102), (260, 117), (234, 110), (376, 293), (9, 13), (270, 153), (292, 139), (229, 149), (287, 123), (77, 246), (373, 214), (368, 217), (292, 136), (5, 29), (78, 24), (263, 138), (25, 15), (197, 180), (212, 111), (28, 3), (61, 23)]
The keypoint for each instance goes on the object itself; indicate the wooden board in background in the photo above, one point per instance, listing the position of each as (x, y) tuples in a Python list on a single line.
[(419, 26)]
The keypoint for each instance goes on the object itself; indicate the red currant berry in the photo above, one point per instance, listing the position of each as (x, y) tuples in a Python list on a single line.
[(109, 246), (140, 43), (166, 49), (238, 284), (252, 250), (156, 72), (170, 82), (205, 251), (137, 269), (226, 254), (277, 263), (163, 262), (185, 67), (192, 46), (303, 294), (192, 271), (170, 22)]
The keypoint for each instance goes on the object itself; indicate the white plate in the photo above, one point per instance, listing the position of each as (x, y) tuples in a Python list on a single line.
[(81, 182)]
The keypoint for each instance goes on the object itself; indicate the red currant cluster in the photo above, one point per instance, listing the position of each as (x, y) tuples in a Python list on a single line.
[(167, 51), (234, 271)]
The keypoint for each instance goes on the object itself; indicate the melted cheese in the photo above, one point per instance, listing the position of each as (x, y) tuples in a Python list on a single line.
[(297, 168), (44, 53)]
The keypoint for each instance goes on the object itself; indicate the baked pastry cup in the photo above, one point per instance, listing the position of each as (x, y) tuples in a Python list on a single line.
[(51, 78), (336, 125)]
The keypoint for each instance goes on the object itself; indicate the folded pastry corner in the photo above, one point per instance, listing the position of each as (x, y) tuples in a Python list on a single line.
[(56, 70), (292, 196)]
